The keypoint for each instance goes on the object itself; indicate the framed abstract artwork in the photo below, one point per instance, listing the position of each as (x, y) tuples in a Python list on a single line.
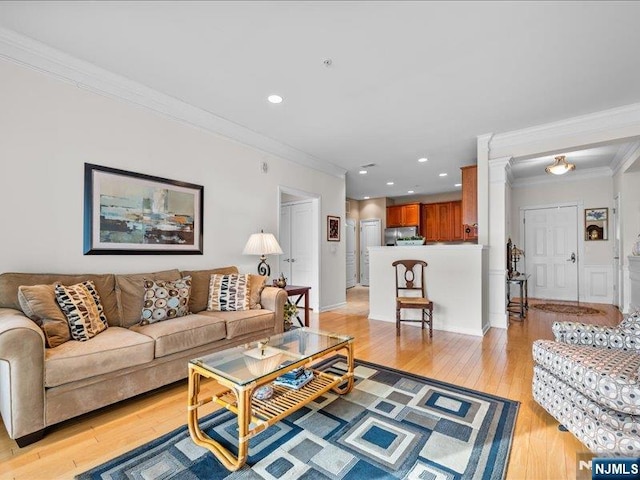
[(333, 228), (595, 223), (127, 213)]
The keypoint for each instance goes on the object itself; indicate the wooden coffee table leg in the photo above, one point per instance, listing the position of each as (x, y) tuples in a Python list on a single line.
[(228, 459), (347, 388)]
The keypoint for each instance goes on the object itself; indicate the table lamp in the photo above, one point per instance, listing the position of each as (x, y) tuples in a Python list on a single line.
[(262, 244)]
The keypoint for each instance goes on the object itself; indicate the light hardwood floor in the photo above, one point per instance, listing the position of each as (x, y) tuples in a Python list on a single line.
[(499, 363)]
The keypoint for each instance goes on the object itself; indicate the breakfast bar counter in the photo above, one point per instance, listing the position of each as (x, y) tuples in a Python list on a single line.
[(454, 282)]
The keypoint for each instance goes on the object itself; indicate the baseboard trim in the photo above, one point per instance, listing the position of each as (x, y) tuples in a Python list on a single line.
[(332, 307)]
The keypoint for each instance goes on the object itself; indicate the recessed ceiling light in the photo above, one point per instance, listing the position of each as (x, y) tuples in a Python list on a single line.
[(362, 172), (367, 198), (275, 98), (410, 191), (443, 174), (389, 183), (458, 185), (423, 159)]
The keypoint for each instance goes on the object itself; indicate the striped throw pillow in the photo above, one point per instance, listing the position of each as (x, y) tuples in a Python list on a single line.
[(81, 305), (228, 293)]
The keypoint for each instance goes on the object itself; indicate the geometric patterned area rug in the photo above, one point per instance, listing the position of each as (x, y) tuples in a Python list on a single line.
[(393, 424), (577, 310)]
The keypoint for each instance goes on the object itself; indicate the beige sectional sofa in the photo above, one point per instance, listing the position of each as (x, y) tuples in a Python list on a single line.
[(40, 386)]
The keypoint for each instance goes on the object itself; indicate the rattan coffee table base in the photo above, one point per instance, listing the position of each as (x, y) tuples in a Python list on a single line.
[(259, 414)]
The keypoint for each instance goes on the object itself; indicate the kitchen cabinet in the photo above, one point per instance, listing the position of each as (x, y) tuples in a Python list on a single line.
[(442, 222), (403, 215), (470, 202)]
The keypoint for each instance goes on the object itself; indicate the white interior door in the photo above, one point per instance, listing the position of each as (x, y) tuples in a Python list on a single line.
[(617, 271), (351, 253), (369, 237), (551, 252), (296, 241)]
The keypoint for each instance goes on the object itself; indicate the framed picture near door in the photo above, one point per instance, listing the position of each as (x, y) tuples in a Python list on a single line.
[(333, 228), (595, 223)]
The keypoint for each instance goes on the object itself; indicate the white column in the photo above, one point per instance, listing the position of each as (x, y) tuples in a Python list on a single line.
[(499, 173)]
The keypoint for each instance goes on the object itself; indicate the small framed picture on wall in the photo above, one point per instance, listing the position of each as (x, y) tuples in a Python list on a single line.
[(595, 223), (333, 228)]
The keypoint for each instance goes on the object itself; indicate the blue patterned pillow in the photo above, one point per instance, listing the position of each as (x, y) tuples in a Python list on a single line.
[(165, 299)]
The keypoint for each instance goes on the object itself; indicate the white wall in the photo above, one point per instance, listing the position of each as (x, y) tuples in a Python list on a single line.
[(50, 128)]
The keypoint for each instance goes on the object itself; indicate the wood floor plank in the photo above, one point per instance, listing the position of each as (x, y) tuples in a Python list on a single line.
[(499, 363)]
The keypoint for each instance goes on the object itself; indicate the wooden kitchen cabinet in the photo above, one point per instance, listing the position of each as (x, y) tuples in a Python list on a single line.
[(403, 215), (441, 222), (470, 202)]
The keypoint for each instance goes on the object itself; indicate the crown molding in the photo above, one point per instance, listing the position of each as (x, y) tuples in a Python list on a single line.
[(33, 54), (629, 157), (574, 176), (591, 129)]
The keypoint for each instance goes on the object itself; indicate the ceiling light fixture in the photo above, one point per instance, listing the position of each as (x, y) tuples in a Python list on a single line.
[(423, 159), (443, 174), (366, 198), (410, 191), (389, 183), (362, 172), (458, 185), (275, 98), (560, 166)]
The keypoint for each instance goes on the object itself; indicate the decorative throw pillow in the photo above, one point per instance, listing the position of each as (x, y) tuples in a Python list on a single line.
[(38, 302), (81, 305), (164, 299), (228, 293), (256, 285)]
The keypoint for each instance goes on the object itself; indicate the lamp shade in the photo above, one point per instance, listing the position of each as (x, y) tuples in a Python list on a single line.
[(560, 166), (262, 244)]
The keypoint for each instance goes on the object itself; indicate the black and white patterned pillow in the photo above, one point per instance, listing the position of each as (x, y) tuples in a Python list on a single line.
[(165, 299), (81, 305), (228, 293)]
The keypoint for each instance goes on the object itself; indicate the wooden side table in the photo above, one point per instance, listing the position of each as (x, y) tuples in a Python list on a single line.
[(520, 307), (300, 292)]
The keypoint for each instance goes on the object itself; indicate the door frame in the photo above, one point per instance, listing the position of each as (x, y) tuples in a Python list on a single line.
[(580, 240), (618, 295), (360, 249), (314, 299)]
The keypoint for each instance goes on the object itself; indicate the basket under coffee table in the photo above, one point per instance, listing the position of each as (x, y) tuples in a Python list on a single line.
[(244, 369)]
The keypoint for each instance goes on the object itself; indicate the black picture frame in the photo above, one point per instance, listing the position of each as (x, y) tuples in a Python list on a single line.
[(333, 228), (596, 224), (129, 213)]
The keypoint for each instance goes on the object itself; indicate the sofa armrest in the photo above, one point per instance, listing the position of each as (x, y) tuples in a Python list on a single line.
[(273, 298), (574, 333), (21, 374)]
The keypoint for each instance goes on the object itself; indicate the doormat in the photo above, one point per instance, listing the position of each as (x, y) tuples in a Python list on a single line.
[(393, 424), (566, 309)]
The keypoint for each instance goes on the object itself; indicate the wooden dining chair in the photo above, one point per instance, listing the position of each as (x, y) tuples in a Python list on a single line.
[(410, 277)]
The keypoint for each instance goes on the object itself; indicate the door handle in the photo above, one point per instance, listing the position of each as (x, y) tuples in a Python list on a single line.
[(572, 258), (293, 260), (286, 260)]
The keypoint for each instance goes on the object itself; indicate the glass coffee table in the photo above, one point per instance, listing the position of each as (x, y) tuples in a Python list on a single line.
[(247, 368)]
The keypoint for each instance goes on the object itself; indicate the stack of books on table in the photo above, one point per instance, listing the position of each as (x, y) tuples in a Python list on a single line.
[(295, 379)]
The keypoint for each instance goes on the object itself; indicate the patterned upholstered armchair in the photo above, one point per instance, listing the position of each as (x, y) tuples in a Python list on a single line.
[(589, 380)]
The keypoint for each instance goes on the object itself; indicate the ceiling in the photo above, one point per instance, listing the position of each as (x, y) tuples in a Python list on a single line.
[(406, 80)]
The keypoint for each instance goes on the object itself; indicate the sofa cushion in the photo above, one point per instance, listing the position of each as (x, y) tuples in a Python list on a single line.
[(200, 286), (112, 350), (130, 290), (184, 333), (609, 377), (81, 305), (39, 303), (228, 293), (256, 285), (248, 321), (164, 299), (105, 285)]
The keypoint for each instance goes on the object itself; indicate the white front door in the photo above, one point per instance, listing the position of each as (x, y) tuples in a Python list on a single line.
[(370, 236), (296, 241), (351, 253), (617, 270), (551, 252)]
